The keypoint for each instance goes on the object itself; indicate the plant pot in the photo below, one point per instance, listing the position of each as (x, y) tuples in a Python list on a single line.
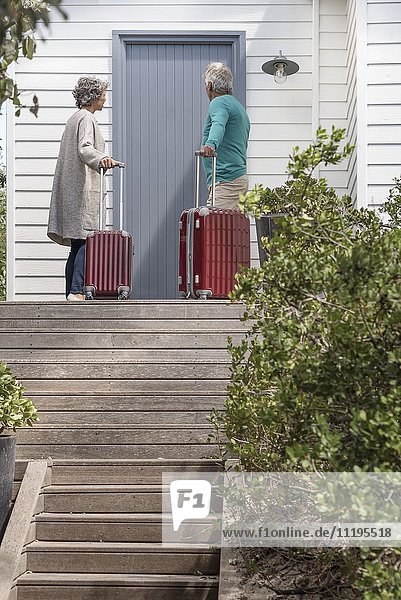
[(7, 469), (265, 227)]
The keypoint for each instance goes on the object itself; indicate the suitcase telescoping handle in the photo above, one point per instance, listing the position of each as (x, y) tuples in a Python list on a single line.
[(197, 177), (121, 166)]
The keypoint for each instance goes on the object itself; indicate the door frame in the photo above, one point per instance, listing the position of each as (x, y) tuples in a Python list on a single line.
[(121, 39)]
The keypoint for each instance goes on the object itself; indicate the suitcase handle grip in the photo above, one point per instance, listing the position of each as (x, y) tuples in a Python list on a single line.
[(121, 166), (197, 177)]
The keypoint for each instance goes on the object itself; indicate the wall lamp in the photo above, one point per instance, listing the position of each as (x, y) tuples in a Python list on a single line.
[(280, 67)]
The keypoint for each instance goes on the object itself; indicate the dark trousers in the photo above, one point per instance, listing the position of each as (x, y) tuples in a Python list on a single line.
[(75, 268)]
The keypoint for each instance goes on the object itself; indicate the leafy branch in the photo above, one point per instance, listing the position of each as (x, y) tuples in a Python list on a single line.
[(18, 22)]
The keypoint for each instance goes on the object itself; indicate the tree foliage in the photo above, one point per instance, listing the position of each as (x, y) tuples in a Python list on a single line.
[(316, 383), (18, 22)]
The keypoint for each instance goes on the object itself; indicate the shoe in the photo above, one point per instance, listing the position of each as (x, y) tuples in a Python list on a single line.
[(76, 297)]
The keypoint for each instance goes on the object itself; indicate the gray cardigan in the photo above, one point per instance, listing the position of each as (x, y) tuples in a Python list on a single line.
[(74, 206)]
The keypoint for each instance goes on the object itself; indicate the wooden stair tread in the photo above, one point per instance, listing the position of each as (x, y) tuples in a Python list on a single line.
[(105, 426), (196, 450), (116, 579), (46, 517), (136, 461), (82, 324), (127, 547), (102, 488), (128, 355)]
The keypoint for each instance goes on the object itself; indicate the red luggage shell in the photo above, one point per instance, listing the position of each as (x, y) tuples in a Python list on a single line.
[(108, 254), (108, 262), (219, 249)]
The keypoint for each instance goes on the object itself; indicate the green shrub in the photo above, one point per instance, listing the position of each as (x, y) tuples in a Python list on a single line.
[(316, 383), (15, 409)]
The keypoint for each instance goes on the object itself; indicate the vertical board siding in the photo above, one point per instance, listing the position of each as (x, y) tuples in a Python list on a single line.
[(167, 99), (280, 115), (383, 98)]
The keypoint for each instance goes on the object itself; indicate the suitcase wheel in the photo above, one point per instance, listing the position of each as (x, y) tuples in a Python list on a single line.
[(123, 292), (204, 294), (89, 292)]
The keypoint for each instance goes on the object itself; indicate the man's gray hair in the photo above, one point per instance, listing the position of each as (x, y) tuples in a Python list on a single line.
[(88, 90), (220, 76)]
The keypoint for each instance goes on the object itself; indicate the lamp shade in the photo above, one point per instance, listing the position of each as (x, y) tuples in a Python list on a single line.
[(270, 67)]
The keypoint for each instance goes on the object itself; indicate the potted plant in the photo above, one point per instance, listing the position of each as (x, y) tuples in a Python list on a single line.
[(15, 411), (267, 205)]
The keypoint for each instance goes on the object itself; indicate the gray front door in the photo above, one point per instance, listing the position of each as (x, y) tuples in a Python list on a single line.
[(157, 125)]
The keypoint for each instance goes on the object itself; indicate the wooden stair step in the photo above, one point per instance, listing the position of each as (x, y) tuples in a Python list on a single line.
[(128, 579), (103, 498), (120, 434), (135, 462), (87, 325), (130, 418), (106, 527), (141, 339), (113, 387), (99, 557), (126, 371), (129, 451), (128, 355), (131, 472), (115, 517), (138, 309), (138, 402), (64, 586)]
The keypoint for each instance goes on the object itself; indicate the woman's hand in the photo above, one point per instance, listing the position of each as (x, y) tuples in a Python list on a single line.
[(108, 163)]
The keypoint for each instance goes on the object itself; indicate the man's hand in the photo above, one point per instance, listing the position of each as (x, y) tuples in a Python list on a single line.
[(207, 151), (107, 162)]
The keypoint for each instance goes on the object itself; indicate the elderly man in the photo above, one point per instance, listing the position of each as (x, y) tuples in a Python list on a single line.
[(226, 132)]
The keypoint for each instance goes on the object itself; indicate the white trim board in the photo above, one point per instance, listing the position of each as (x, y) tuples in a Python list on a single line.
[(10, 171), (361, 100)]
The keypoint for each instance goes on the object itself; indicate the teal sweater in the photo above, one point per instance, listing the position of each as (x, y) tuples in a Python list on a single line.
[(227, 131)]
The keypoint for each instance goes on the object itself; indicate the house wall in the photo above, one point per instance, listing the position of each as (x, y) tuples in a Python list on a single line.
[(383, 98), (312, 33)]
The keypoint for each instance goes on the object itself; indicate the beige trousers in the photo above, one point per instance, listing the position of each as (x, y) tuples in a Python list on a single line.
[(228, 192)]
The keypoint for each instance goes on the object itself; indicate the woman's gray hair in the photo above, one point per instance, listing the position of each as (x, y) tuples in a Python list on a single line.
[(220, 76), (88, 90)]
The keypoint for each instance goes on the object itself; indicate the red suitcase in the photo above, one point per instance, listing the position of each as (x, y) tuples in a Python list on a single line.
[(214, 246), (108, 261)]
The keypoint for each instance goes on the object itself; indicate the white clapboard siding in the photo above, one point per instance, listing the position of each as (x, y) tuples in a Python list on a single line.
[(377, 134), (48, 149), (281, 116), (59, 116), (333, 78), (383, 98), (135, 12), (37, 199)]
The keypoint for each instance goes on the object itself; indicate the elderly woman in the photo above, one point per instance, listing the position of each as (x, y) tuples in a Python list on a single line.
[(74, 207)]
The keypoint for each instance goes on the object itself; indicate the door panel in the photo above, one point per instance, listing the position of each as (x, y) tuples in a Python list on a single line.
[(165, 106)]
